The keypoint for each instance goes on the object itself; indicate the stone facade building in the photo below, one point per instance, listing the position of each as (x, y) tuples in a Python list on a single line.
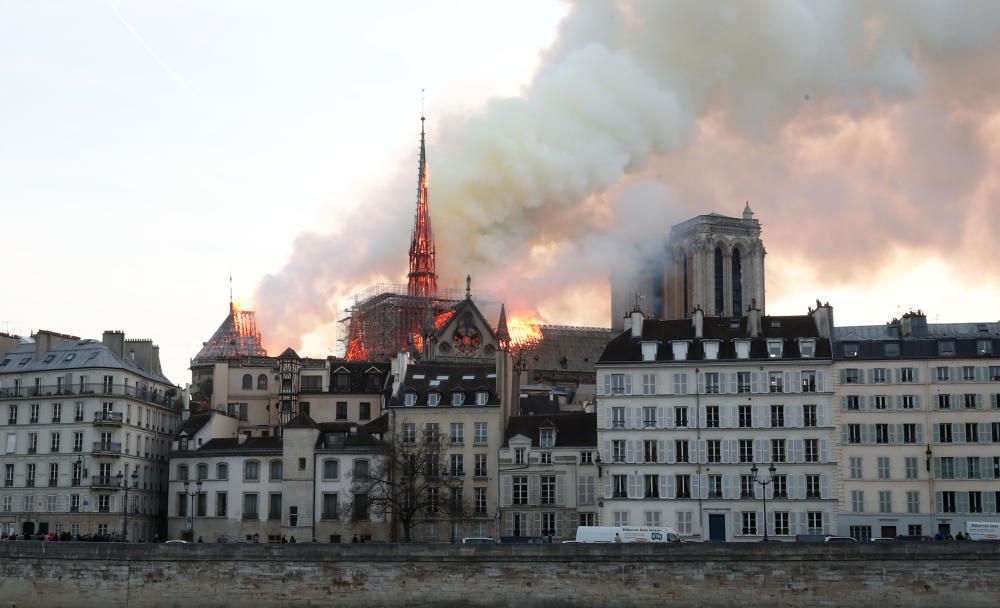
[(686, 409), (548, 476), (711, 262), (87, 424), (919, 426)]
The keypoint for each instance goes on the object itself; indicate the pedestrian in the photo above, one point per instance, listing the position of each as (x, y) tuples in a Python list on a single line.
[(284, 540), (355, 539), (618, 537), (292, 539), (200, 541), (939, 535)]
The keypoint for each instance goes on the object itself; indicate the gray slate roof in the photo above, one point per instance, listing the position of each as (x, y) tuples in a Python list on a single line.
[(86, 354)]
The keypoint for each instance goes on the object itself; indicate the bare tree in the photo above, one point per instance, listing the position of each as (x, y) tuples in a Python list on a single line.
[(408, 482)]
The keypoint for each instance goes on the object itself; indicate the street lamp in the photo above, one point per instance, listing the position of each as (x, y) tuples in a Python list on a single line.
[(126, 485), (197, 491), (763, 486)]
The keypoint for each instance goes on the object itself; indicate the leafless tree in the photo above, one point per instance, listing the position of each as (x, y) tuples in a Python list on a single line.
[(408, 483)]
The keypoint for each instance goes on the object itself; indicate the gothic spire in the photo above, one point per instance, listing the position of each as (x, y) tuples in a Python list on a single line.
[(422, 277), (503, 334)]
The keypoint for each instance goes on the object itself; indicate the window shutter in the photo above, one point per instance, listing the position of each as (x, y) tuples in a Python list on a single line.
[(607, 416), (872, 435), (631, 486), (723, 383), (821, 381), (640, 457), (984, 433), (920, 433), (899, 402), (893, 435), (734, 383), (508, 522), (606, 456), (669, 421), (704, 486), (797, 416), (788, 385), (979, 374), (702, 449), (663, 486), (896, 374), (962, 502), (661, 455), (758, 450), (989, 502), (607, 485), (607, 385), (533, 490), (961, 470), (701, 383), (628, 384), (629, 452), (754, 382), (696, 486), (956, 374), (937, 466), (560, 489), (821, 415), (847, 434), (671, 458), (916, 402), (871, 402), (769, 491), (755, 416), (758, 491), (843, 376), (938, 502), (671, 490), (660, 422), (843, 404), (824, 485), (916, 374), (871, 376), (726, 458), (958, 432), (507, 490), (536, 524), (979, 400)]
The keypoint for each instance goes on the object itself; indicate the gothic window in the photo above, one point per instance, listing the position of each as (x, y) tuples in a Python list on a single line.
[(737, 283), (247, 381), (262, 382), (719, 279)]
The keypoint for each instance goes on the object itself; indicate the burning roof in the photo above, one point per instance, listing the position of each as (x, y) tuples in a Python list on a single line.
[(236, 337)]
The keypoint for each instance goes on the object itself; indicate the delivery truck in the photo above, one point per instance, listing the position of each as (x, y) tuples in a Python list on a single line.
[(626, 534)]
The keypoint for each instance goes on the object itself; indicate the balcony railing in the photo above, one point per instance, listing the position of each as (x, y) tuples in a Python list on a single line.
[(149, 394), (104, 447), (53, 483), (29, 483), (108, 418), (75, 481), (104, 481)]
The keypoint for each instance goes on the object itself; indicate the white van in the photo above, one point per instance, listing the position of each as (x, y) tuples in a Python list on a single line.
[(983, 530), (626, 534)]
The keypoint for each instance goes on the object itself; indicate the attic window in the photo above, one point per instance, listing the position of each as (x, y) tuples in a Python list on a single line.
[(5, 362), (433, 399), (851, 350), (711, 349), (418, 376), (680, 350), (69, 357), (49, 359), (775, 323), (981, 327), (93, 356), (25, 360), (807, 348), (649, 351), (742, 349), (547, 438), (774, 348), (946, 348), (409, 399), (435, 382), (439, 378), (482, 397), (734, 323), (457, 398)]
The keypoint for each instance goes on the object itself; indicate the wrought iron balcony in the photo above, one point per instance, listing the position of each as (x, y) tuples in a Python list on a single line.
[(107, 418), (107, 448)]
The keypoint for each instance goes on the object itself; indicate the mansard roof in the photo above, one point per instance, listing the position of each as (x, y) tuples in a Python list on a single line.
[(446, 378), (575, 429), (71, 355), (726, 330)]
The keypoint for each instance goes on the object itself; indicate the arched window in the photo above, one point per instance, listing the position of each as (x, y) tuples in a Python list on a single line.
[(262, 382), (247, 381), (360, 469), (719, 282), (737, 283), (222, 471)]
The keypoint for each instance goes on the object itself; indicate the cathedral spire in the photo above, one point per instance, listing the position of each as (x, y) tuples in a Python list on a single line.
[(422, 277), (503, 334)]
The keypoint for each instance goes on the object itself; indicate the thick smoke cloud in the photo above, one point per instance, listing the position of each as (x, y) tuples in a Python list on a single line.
[(857, 129)]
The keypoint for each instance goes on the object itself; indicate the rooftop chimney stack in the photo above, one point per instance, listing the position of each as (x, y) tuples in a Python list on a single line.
[(115, 340), (823, 317), (753, 320), (698, 320), (636, 328)]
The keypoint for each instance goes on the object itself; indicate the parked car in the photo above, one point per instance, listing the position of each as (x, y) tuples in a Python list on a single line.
[(176, 541), (840, 539), (478, 540)]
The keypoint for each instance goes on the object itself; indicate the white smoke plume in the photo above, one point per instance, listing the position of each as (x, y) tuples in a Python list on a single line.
[(856, 128)]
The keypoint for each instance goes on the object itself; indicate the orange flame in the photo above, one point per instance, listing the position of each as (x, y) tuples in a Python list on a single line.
[(443, 318), (524, 333)]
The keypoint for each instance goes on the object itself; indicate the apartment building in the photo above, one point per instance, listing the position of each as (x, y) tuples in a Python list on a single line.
[(693, 414), (548, 475), (920, 426), (85, 436)]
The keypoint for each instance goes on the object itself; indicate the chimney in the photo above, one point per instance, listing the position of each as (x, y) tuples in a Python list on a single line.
[(45, 340), (823, 317), (753, 319), (8, 343), (115, 340), (636, 327), (698, 320), (913, 324)]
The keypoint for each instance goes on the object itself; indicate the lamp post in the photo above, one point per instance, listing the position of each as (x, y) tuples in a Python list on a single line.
[(763, 486), (127, 485), (196, 492)]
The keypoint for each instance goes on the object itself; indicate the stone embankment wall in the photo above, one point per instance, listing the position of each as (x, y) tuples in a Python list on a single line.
[(549, 576)]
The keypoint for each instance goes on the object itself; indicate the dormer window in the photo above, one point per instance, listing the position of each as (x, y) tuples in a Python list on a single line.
[(183, 442), (984, 347), (742, 349), (457, 399), (711, 349), (409, 399), (807, 348), (946, 348), (433, 399), (547, 438), (851, 350), (649, 351), (774, 348), (482, 397), (680, 350), (342, 382)]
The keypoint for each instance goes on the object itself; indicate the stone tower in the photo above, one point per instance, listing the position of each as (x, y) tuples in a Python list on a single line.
[(713, 262)]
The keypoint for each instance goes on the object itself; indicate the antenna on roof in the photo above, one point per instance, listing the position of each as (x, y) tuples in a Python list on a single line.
[(230, 290)]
